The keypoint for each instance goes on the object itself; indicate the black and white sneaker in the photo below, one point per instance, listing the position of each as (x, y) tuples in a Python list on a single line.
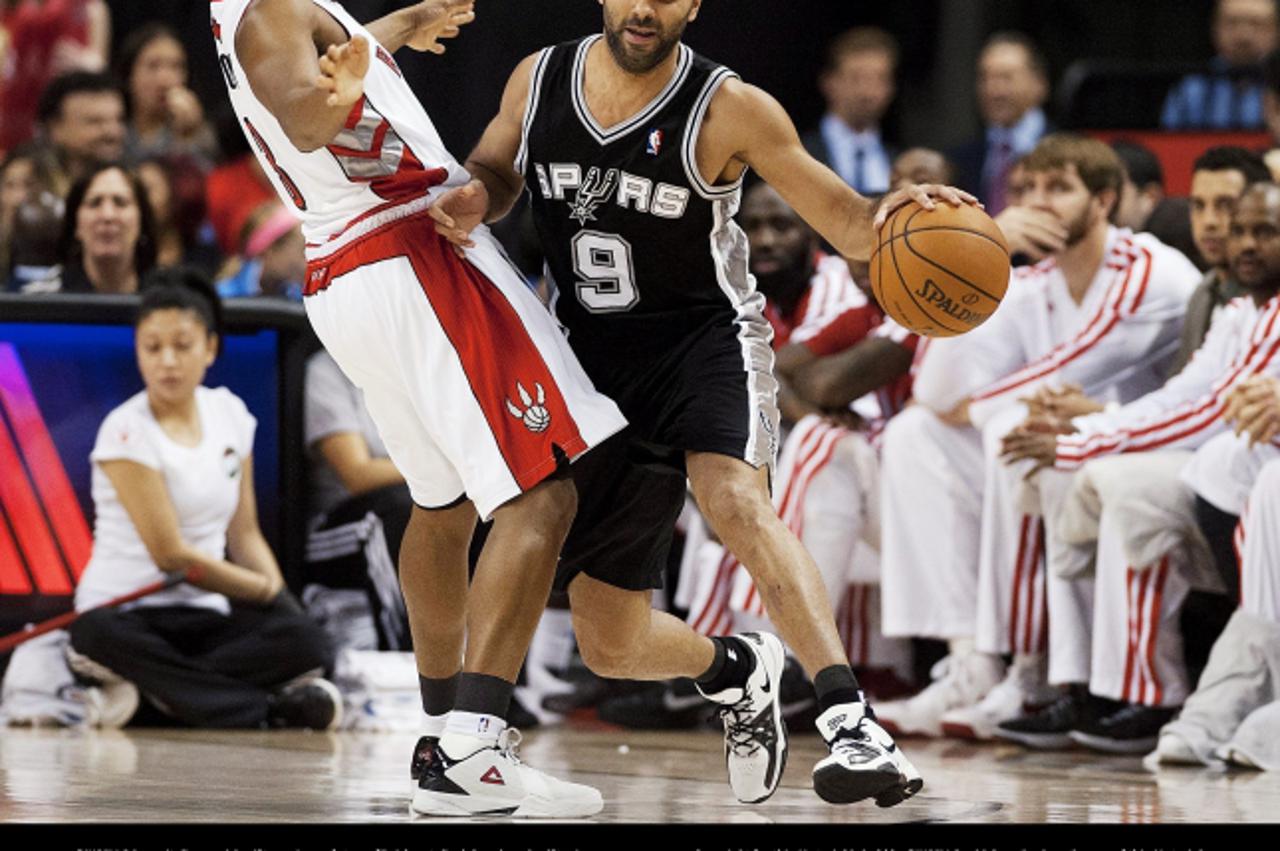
[(864, 761), (1049, 728), (493, 781), (314, 704), (1133, 728), (755, 736), (422, 752)]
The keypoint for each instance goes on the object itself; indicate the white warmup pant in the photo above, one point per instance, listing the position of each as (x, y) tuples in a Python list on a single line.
[(931, 502), (1069, 585), (1259, 543), (1011, 613)]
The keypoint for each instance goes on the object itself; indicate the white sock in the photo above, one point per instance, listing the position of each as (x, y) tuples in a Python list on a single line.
[(467, 732), (960, 646), (552, 645), (432, 725)]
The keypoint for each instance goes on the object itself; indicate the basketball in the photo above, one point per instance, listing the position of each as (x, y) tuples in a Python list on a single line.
[(940, 272)]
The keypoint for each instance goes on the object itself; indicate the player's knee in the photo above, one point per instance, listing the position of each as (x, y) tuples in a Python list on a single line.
[(737, 505), (606, 653), (547, 511)]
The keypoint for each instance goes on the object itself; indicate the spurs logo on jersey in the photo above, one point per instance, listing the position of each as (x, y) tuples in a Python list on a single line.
[(628, 191)]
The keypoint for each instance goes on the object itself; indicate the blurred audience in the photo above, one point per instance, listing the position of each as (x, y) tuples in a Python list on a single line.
[(165, 117), (175, 190), (82, 117), (1228, 94), (272, 259), (40, 39), (108, 237), (858, 86), (23, 175), (1013, 85), (921, 165), (1144, 205)]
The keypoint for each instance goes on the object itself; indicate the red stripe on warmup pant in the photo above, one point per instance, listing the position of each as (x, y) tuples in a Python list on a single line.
[(1238, 541), (1035, 579), (1015, 603), (1158, 581), (716, 600), (19, 503), (1130, 641), (51, 480)]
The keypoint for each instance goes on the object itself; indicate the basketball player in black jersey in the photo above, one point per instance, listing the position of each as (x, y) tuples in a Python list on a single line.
[(633, 149)]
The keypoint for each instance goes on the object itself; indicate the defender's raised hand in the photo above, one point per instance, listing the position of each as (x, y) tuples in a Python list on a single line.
[(439, 19), (342, 71)]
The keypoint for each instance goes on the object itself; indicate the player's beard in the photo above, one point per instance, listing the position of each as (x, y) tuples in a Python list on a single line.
[(1078, 228), (640, 63)]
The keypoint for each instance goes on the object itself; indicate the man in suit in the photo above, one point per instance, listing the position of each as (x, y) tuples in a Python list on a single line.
[(1013, 85), (858, 86)]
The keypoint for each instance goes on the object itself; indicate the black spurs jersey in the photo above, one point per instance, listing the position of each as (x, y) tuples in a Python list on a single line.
[(641, 250)]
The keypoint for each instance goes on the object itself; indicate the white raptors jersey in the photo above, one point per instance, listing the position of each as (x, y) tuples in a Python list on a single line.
[(387, 155)]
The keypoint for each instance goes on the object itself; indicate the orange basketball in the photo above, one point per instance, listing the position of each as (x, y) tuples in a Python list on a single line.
[(940, 272)]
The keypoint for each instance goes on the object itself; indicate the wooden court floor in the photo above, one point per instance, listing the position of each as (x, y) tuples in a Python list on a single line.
[(669, 777)]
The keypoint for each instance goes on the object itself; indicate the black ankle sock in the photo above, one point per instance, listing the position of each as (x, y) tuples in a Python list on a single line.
[(734, 662), (484, 695), (438, 695), (836, 684)]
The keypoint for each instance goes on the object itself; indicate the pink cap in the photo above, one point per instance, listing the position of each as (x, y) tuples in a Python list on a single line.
[(264, 235)]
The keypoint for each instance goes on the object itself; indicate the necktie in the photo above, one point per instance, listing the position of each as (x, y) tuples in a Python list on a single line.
[(1002, 158), (860, 170)]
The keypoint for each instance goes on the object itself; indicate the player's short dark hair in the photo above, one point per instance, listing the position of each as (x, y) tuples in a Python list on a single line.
[(861, 40), (74, 83), (1034, 57), (180, 288), (1140, 163), (1097, 164), (1233, 158)]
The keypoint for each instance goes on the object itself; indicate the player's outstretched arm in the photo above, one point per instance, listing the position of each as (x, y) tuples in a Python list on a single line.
[(277, 46), (496, 184), (423, 25), (748, 126)]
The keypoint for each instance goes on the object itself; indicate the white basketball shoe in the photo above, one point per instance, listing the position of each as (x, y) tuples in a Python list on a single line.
[(959, 681), (493, 781), (755, 736), (864, 762), (1024, 689)]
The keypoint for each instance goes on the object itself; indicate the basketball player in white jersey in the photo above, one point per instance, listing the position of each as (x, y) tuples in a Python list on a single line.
[(634, 148), (1231, 716), (1134, 603), (476, 395), (1104, 312)]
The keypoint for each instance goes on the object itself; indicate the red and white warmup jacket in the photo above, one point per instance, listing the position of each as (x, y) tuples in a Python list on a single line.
[(1244, 340), (1116, 343)]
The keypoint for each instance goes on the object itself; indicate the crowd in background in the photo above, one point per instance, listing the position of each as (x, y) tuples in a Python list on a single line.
[(112, 168)]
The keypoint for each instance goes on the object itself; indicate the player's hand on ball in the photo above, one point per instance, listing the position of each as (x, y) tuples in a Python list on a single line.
[(925, 194), (1035, 233), (439, 19), (342, 71), (458, 212)]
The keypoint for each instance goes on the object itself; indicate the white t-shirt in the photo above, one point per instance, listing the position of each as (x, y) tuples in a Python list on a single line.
[(333, 406), (203, 482)]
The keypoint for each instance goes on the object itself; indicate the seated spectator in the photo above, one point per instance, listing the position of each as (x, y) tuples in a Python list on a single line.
[(921, 165), (1013, 85), (82, 118), (173, 490), (1228, 95), (42, 39), (1144, 206), (175, 190), (272, 259), (34, 258), (858, 87), (360, 505), (165, 117), (23, 175), (108, 237)]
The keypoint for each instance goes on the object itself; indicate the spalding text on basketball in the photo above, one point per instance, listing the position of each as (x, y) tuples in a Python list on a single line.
[(934, 295)]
